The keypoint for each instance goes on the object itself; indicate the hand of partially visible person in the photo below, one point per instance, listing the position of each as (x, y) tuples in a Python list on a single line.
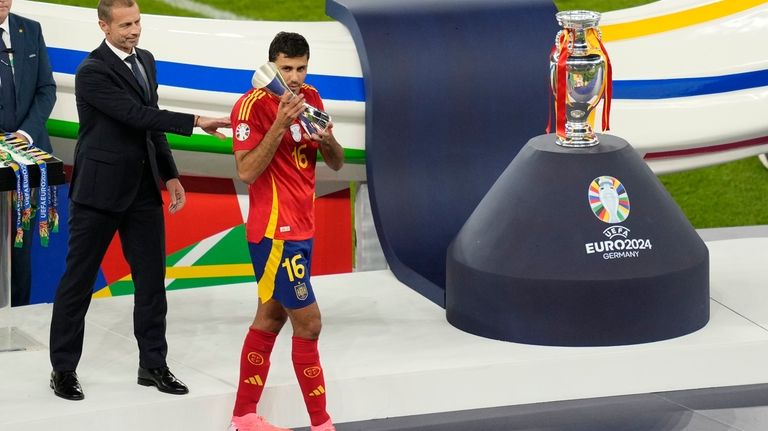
[(211, 125), (21, 137), (177, 195)]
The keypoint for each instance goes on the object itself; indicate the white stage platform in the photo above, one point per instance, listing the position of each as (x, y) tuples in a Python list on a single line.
[(386, 351)]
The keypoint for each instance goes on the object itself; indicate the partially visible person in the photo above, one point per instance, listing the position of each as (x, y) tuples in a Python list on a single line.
[(277, 160), (120, 155), (27, 96)]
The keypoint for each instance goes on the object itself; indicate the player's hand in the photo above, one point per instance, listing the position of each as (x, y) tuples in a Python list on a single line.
[(289, 109), (322, 137)]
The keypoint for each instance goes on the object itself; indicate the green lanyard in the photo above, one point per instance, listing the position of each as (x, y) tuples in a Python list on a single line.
[(7, 160)]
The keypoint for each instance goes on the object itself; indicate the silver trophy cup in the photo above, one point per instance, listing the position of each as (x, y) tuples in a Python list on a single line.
[(268, 77), (585, 75)]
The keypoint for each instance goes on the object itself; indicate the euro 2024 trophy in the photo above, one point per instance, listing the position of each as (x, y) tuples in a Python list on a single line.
[(580, 72), (552, 255)]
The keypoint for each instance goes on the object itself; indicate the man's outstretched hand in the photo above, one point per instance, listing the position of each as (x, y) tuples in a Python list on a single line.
[(211, 125)]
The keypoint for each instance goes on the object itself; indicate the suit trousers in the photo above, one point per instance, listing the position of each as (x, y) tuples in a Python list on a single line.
[(142, 236)]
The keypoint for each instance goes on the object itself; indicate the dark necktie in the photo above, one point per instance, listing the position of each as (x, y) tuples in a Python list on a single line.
[(7, 89), (137, 74)]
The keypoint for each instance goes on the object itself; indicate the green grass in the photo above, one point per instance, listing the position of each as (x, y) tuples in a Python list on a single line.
[(732, 194), (599, 5), (270, 10), (312, 10), (156, 7)]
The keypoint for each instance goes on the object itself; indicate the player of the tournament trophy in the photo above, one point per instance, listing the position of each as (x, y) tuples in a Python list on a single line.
[(578, 244), (268, 77), (580, 73)]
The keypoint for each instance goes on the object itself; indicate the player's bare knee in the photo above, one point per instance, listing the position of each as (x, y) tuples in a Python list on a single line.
[(307, 328)]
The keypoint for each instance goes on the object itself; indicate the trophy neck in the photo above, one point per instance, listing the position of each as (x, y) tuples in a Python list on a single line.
[(578, 23)]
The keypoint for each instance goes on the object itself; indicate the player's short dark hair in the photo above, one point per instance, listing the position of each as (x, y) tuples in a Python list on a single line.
[(289, 44), (104, 8)]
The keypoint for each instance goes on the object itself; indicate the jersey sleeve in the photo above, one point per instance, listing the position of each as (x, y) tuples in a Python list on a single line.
[(249, 120)]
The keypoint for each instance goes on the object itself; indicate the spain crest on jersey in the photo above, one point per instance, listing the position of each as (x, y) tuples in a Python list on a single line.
[(301, 291)]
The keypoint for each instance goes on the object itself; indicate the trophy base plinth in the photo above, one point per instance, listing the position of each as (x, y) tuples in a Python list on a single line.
[(540, 262), (583, 142), (578, 135)]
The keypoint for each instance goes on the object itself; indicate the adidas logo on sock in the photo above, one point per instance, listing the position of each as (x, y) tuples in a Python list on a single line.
[(255, 380), (317, 392)]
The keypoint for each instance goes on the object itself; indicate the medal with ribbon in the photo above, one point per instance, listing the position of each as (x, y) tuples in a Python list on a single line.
[(7, 160), (20, 153)]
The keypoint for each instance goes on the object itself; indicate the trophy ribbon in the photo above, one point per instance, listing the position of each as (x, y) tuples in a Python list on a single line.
[(608, 95), (562, 84)]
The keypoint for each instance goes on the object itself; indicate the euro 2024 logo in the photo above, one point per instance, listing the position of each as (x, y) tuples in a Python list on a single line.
[(609, 201)]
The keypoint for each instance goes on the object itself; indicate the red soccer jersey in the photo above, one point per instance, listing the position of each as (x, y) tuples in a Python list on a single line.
[(281, 200)]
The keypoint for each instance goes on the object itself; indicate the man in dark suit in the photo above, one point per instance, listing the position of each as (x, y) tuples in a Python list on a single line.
[(27, 95), (120, 155)]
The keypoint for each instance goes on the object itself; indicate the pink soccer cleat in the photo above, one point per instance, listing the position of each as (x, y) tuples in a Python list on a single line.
[(254, 422), (327, 426)]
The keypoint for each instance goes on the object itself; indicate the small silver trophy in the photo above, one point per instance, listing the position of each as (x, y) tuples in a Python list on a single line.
[(268, 77), (580, 73)]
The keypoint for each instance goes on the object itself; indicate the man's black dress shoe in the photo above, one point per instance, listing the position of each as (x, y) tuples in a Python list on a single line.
[(163, 379), (65, 385)]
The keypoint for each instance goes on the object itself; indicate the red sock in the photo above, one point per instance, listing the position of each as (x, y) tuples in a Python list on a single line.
[(254, 366), (306, 363)]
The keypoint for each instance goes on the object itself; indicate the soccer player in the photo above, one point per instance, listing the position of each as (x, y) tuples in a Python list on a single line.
[(276, 157)]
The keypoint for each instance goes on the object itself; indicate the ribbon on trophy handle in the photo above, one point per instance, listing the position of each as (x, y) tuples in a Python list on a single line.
[(562, 81), (268, 77), (608, 95)]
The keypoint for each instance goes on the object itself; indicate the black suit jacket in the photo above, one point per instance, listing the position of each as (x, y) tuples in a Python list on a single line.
[(120, 130), (35, 87)]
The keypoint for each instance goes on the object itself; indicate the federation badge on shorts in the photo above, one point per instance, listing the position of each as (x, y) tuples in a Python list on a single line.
[(242, 132), (301, 291), (296, 132)]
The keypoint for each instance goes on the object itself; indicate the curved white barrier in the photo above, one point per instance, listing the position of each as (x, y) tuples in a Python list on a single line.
[(687, 96)]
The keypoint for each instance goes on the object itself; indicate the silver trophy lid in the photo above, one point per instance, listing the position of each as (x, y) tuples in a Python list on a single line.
[(578, 19)]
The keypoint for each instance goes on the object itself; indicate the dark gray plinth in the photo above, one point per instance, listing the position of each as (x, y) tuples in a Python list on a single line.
[(533, 262)]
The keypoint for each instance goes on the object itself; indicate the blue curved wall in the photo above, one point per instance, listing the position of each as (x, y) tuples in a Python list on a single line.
[(453, 90)]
